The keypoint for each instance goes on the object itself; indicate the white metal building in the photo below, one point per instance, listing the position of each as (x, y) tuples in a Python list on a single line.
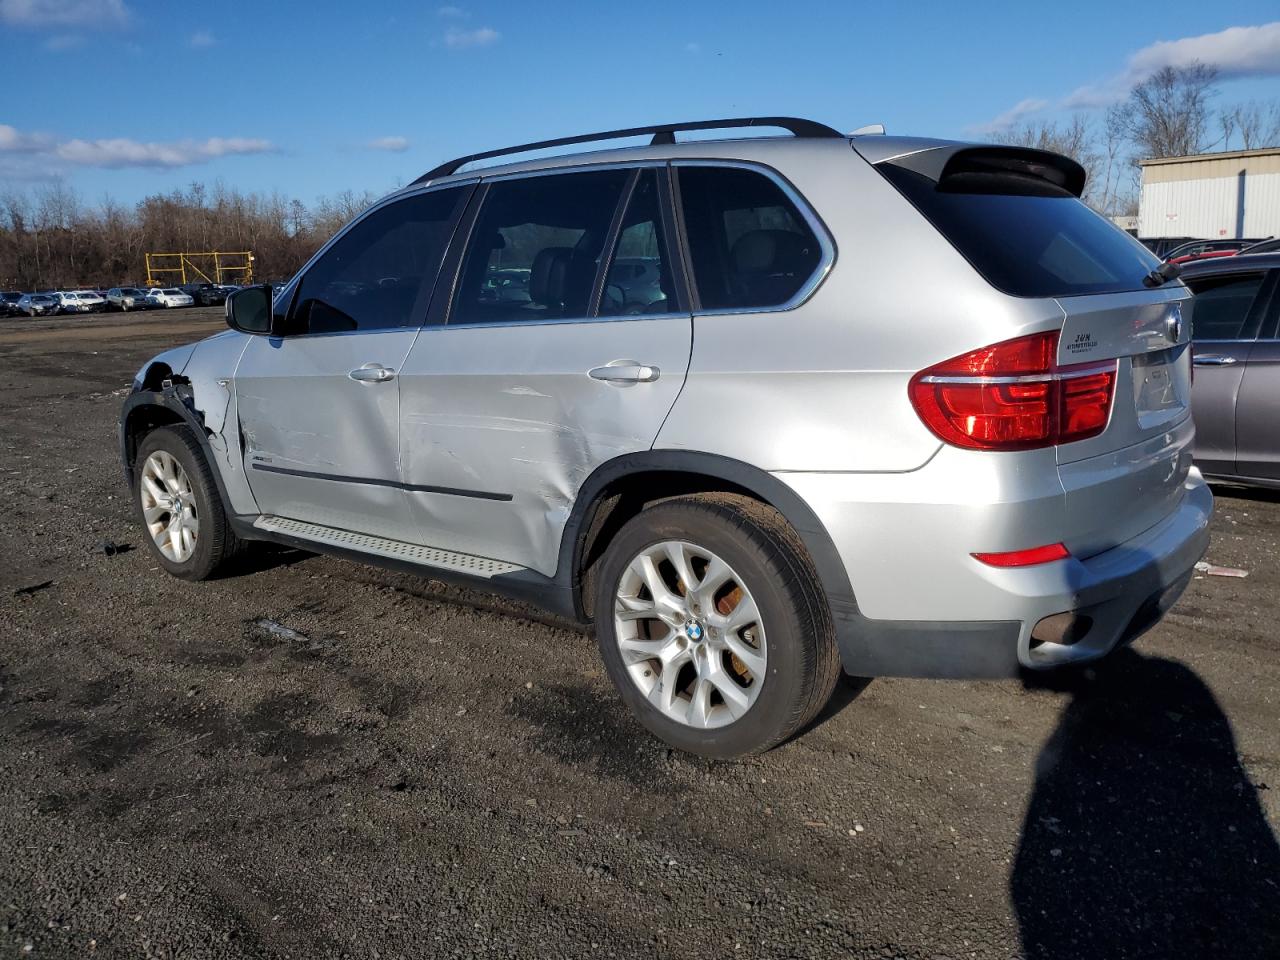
[(1211, 195)]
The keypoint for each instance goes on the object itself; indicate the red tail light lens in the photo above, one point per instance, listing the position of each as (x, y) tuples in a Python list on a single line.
[(1014, 396)]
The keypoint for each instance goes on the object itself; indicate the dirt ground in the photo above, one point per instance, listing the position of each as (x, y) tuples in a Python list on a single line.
[(420, 771)]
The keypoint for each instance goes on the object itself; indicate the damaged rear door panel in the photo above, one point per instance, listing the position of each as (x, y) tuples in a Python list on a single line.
[(507, 408)]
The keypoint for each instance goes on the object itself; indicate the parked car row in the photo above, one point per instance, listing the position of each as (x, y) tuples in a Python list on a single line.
[(50, 302)]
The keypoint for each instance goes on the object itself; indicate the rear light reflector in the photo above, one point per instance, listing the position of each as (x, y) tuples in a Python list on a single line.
[(1014, 396), (1025, 558)]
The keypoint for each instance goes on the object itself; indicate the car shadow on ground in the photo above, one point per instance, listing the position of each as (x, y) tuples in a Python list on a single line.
[(1144, 832), (260, 558), (1236, 492)]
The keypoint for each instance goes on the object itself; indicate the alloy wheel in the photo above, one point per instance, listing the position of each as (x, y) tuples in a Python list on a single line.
[(169, 506), (690, 634)]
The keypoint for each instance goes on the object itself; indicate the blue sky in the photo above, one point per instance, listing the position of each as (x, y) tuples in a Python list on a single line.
[(131, 97)]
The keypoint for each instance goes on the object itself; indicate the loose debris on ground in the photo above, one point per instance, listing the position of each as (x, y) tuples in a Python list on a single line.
[(311, 758)]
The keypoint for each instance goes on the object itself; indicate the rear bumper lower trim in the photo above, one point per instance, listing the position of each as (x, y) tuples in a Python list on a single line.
[(1124, 592)]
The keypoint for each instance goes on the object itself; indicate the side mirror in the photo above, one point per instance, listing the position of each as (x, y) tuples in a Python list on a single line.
[(249, 310)]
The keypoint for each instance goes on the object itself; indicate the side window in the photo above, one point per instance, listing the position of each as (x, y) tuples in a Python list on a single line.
[(370, 278), (639, 280), (749, 245), (535, 249), (1222, 306)]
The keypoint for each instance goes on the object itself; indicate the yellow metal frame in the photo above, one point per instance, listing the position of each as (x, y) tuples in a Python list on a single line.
[(158, 267)]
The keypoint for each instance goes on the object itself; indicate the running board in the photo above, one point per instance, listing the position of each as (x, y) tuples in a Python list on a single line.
[(391, 549)]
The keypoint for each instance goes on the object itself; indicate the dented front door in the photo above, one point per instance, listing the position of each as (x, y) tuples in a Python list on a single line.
[(320, 444), (500, 425)]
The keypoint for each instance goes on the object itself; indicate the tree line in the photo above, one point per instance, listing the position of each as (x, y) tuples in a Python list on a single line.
[(1169, 114), (51, 239)]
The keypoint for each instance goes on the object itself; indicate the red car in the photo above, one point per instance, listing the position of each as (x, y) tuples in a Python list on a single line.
[(1200, 249)]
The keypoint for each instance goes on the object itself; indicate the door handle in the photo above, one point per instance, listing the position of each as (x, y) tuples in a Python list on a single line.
[(1212, 360), (372, 373), (625, 372)]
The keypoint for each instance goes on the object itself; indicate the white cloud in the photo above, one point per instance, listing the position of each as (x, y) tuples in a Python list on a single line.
[(202, 38), (391, 144), (1012, 116), (64, 13), (123, 152), (1234, 52), (452, 13), (13, 140), (480, 37), (1091, 97), (23, 155)]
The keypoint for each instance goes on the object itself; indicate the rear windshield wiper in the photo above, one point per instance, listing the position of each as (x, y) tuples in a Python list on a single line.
[(1162, 274)]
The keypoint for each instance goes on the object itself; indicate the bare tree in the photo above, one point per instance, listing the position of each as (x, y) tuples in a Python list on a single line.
[(1255, 125), (1073, 139), (1117, 193), (1168, 114)]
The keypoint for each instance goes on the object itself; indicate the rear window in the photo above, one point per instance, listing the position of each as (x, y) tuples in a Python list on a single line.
[(1027, 237)]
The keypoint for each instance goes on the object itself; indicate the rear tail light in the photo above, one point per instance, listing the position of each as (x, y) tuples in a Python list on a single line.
[(1014, 396)]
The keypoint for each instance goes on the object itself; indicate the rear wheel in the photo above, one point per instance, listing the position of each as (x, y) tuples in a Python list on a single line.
[(178, 503), (712, 625)]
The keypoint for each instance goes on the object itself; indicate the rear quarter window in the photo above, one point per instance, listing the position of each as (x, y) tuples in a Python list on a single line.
[(1027, 238), (1223, 306), (749, 245)]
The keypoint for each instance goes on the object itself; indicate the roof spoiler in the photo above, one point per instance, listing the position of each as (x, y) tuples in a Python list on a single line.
[(941, 164)]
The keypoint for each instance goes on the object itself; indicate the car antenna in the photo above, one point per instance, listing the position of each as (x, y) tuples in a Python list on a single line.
[(870, 130)]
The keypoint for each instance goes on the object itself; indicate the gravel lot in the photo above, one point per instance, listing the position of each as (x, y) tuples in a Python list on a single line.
[(421, 771)]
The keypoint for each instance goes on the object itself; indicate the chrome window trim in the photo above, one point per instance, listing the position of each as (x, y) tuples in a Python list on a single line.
[(825, 240), (653, 164), (593, 167), (556, 321)]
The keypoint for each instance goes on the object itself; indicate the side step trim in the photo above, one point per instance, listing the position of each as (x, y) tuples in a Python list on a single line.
[(465, 563)]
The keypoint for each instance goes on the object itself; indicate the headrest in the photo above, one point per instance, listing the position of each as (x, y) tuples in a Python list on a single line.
[(772, 251), (548, 276)]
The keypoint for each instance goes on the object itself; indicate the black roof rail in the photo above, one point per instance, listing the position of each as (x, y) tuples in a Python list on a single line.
[(662, 133)]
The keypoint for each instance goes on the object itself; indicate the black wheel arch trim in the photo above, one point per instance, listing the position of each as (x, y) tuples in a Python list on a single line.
[(168, 399), (765, 486)]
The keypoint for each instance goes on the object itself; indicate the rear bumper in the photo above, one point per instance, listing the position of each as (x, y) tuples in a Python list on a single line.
[(1116, 596)]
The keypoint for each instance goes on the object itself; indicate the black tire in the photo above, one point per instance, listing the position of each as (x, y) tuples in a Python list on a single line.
[(216, 542), (761, 547)]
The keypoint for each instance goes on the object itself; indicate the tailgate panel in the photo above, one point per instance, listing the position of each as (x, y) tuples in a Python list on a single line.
[(1149, 334), (1116, 496), (1130, 477)]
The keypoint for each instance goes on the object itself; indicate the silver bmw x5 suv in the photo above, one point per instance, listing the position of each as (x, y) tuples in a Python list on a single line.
[(900, 407)]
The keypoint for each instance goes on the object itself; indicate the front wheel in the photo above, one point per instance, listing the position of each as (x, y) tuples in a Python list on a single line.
[(713, 626), (179, 506)]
